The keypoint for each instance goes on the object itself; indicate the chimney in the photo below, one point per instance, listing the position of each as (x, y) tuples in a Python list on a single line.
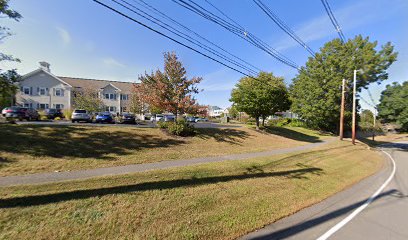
[(45, 66)]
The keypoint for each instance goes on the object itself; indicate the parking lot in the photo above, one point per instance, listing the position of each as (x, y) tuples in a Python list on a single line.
[(144, 124)]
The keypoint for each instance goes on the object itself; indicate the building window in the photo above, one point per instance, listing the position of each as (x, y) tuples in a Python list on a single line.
[(26, 90), (111, 96), (59, 106), (59, 92), (123, 109), (42, 91), (43, 106), (124, 97), (28, 105), (110, 108)]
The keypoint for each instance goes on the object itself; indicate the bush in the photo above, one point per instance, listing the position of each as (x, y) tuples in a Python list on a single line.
[(57, 119), (251, 121), (162, 124), (67, 114), (179, 128)]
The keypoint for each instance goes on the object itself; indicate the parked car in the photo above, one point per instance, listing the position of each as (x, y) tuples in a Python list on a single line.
[(201, 120), (169, 118), (104, 117), (52, 113), (127, 118), (159, 117), (191, 119), (21, 113), (4, 111), (81, 115)]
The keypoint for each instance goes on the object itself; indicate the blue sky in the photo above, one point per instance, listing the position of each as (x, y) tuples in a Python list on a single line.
[(81, 39)]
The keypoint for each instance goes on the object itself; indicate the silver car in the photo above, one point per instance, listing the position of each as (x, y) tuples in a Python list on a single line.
[(79, 115)]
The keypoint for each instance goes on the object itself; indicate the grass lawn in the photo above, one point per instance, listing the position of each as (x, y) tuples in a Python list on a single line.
[(40, 148), (212, 201)]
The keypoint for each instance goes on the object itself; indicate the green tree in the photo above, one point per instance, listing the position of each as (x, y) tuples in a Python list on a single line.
[(8, 78), (233, 112), (393, 105), (366, 117), (316, 90), (170, 90), (261, 96), (87, 99)]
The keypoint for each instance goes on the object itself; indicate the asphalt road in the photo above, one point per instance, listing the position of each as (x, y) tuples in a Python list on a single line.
[(386, 217)]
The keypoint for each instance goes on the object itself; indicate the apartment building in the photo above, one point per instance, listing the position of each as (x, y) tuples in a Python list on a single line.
[(40, 89)]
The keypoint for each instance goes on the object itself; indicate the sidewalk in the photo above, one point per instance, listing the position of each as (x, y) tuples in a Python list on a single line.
[(40, 178)]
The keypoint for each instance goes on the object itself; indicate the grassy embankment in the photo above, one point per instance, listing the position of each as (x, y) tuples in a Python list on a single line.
[(37, 148), (211, 201)]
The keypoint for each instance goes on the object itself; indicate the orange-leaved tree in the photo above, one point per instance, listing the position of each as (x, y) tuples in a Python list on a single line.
[(170, 90)]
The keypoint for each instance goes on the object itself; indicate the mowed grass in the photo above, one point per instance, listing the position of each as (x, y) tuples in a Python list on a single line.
[(37, 148), (212, 201)]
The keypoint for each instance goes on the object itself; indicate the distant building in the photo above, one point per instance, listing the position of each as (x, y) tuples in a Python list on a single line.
[(215, 111)]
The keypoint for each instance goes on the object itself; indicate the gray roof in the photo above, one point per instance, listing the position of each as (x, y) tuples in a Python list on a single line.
[(125, 87)]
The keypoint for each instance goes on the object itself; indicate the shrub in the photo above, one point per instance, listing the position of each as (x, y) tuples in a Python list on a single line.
[(179, 128), (67, 114), (162, 124), (250, 121), (57, 119)]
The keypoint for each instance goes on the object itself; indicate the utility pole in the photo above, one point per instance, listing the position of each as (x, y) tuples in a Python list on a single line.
[(353, 130), (343, 91)]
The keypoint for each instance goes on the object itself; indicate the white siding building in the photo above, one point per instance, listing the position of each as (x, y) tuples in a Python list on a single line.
[(40, 89)]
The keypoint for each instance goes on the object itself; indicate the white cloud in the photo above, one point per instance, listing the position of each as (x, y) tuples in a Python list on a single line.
[(64, 35), (111, 62)]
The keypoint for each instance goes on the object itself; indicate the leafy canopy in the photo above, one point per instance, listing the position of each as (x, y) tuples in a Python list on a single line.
[(316, 90), (393, 105), (8, 78), (261, 96), (88, 99), (170, 90)]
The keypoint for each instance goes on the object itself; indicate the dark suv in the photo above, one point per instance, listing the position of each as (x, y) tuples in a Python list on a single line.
[(21, 113), (52, 113)]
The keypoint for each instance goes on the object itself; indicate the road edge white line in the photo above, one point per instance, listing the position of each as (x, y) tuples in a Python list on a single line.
[(341, 224)]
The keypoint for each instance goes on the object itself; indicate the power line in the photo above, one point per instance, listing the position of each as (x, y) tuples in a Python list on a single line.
[(163, 15), (235, 29), (282, 25), (181, 34), (333, 20), (168, 37)]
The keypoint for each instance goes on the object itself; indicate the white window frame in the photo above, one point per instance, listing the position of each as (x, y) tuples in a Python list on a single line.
[(59, 106), (24, 90), (60, 90), (42, 89), (45, 105)]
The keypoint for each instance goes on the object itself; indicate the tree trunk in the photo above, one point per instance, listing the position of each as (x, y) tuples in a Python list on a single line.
[(263, 122), (257, 123)]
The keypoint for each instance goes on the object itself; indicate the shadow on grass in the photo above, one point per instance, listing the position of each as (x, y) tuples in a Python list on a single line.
[(77, 141), (229, 135), (168, 184), (291, 134)]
